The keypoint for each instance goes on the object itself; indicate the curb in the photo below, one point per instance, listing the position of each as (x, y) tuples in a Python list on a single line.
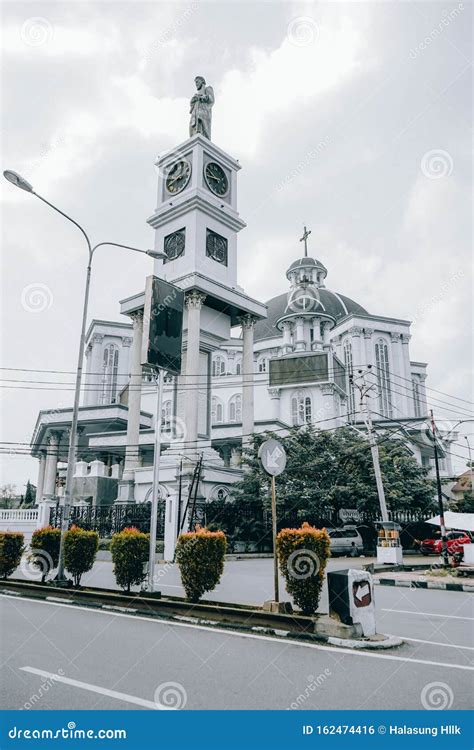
[(466, 588), (390, 641)]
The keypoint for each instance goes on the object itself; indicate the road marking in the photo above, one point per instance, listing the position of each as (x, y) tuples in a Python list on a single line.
[(95, 688), (437, 643), (255, 636), (426, 614)]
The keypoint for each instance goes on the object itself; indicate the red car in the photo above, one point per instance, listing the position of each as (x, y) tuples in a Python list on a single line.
[(455, 541)]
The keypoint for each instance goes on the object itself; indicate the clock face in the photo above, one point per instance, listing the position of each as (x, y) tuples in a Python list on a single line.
[(216, 247), (216, 178), (178, 176), (174, 245)]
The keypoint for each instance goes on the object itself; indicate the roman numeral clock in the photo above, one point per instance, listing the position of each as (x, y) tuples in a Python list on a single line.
[(196, 219)]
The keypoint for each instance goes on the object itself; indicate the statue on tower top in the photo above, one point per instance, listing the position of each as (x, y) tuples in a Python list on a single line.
[(201, 109)]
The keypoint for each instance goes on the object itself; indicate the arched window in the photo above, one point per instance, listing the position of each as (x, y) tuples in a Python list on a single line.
[(218, 366), (383, 377), (238, 368), (235, 408), (166, 416), (109, 374), (301, 408), (217, 411), (349, 372)]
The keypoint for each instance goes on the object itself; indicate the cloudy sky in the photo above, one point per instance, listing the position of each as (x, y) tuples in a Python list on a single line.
[(353, 118)]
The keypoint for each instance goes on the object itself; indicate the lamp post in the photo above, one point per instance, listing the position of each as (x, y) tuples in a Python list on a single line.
[(23, 184)]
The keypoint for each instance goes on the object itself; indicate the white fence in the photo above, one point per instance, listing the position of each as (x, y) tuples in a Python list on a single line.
[(25, 521)]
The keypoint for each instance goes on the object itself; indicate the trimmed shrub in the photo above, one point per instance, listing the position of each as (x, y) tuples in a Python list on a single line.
[(130, 550), (80, 549), (302, 555), (44, 546), (11, 550), (200, 556)]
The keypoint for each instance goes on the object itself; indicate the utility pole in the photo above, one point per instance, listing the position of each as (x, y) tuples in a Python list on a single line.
[(444, 542), (364, 389)]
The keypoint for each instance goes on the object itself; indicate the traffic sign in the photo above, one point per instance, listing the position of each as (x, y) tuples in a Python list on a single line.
[(273, 457)]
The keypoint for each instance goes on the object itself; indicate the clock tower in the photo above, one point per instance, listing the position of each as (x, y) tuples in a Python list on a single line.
[(196, 219)]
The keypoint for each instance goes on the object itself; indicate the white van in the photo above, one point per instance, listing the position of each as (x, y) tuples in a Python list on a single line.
[(346, 541)]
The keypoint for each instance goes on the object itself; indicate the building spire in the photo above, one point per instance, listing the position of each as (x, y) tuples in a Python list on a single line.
[(304, 239)]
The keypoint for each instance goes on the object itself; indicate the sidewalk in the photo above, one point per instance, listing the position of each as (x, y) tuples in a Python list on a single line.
[(425, 579)]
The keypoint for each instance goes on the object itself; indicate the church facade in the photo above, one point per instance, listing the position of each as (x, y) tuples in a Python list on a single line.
[(248, 366)]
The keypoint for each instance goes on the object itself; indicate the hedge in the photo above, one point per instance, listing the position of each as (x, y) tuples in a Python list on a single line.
[(200, 556), (44, 546), (130, 550), (302, 555), (11, 550), (80, 549)]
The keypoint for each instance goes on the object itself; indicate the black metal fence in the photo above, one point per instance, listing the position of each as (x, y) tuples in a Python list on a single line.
[(109, 519)]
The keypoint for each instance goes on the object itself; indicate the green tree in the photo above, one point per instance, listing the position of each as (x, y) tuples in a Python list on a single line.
[(332, 469), (30, 494)]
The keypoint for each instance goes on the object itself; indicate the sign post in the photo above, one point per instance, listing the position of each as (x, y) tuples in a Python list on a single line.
[(162, 343), (273, 457)]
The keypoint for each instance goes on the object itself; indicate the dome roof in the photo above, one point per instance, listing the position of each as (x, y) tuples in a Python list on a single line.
[(305, 263), (336, 305)]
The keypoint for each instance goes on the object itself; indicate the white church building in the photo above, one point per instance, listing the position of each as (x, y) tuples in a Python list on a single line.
[(248, 366)]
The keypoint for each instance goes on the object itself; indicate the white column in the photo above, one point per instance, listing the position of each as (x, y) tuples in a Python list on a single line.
[(126, 487), (274, 394), (248, 417), (300, 343), (369, 355), (317, 341), (357, 350), (406, 372), (287, 346), (51, 465), (40, 481), (134, 399), (194, 302)]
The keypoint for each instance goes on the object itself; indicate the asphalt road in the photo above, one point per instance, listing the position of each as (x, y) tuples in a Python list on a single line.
[(62, 657)]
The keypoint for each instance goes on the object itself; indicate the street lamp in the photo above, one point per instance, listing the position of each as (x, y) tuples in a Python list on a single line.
[(23, 184)]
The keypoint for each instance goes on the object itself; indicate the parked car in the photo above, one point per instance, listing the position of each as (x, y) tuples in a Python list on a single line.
[(346, 541), (456, 539)]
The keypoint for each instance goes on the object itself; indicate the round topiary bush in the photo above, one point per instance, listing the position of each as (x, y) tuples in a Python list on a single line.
[(80, 549), (200, 556), (44, 555), (130, 550), (11, 550), (302, 556)]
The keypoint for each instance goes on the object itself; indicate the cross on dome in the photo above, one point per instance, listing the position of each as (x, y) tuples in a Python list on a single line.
[(304, 239)]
